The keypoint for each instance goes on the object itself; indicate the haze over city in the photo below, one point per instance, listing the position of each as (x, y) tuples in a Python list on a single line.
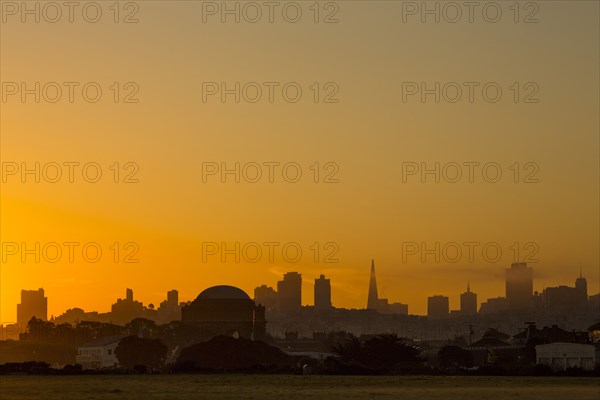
[(356, 190)]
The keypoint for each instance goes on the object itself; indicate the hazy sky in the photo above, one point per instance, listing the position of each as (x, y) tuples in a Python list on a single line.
[(369, 136)]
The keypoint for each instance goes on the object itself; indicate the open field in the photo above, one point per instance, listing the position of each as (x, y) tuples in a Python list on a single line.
[(286, 387)]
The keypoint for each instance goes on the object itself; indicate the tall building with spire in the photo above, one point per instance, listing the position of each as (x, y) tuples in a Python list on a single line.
[(581, 289), (373, 299), (468, 302), (566, 298)]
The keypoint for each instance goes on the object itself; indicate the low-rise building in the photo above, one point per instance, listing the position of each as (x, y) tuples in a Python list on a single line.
[(594, 333), (560, 356), (99, 353)]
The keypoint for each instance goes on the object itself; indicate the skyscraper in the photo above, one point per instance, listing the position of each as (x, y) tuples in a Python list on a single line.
[(468, 302), (581, 289), (373, 299), (322, 293), (290, 292), (172, 297), (438, 307), (519, 287), (33, 304), (168, 310)]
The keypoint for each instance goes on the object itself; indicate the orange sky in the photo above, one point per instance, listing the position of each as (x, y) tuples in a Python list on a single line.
[(368, 135)]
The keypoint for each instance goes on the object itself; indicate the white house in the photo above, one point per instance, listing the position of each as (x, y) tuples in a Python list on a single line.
[(99, 353), (560, 356)]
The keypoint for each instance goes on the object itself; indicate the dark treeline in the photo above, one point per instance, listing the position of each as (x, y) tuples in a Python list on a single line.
[(57, 344), (173, 348)]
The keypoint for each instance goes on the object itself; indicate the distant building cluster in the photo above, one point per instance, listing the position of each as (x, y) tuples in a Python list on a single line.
[(278, 316), (287, 299), (34, 303), (216, 307), (382, 305), (519, 297)]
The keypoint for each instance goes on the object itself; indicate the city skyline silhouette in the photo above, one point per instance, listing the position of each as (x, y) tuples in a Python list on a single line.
[(299, 199)]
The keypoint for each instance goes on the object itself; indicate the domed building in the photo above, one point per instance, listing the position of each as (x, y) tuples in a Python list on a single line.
[(225, 310)]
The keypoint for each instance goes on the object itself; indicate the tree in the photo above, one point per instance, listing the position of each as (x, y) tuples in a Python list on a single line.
[(454, 356), (229, 354), (382, 352), (133, 351), (38, 328), (141, 327)]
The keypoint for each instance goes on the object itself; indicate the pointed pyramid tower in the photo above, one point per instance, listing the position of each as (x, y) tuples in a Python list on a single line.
[(373, 300)]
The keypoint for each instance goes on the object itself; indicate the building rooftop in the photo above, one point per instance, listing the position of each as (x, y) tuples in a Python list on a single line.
[(223, 292), (103, 341), (594, 327)]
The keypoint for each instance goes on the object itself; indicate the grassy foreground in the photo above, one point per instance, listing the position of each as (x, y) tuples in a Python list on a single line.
[(286, 387)]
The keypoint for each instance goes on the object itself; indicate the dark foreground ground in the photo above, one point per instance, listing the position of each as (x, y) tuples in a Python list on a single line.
[(289, 387)]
